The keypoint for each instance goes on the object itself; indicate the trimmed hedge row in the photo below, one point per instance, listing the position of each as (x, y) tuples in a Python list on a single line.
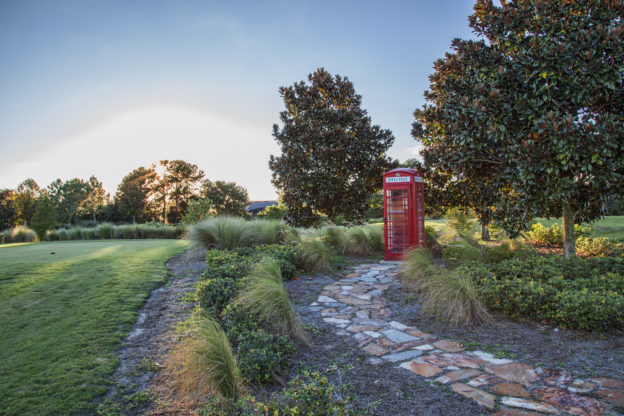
[(109, 231), (582, 293)]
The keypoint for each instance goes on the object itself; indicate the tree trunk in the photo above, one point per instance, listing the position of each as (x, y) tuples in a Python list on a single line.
[(569, 239), (485, 232)]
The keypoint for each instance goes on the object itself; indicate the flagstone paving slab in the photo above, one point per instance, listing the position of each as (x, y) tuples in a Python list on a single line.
[(355, 306)]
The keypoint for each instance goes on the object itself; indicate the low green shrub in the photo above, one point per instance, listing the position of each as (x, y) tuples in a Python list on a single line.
[(553, 235), (308, 394), (260, 354), (582, 293), (18, 234), (286, 256), (598, 247), (214, 294)]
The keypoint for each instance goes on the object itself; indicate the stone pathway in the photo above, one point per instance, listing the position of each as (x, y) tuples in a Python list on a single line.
[(355, 306)]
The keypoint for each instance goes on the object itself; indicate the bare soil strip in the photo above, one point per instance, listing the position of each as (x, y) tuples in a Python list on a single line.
[(144, 350)]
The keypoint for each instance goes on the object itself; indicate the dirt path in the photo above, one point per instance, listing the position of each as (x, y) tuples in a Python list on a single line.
[(145, 348)]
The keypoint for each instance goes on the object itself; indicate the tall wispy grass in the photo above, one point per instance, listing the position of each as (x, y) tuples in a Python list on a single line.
[(267, 268), (315, 256), (417, 266), (354, 241), (453, 297), (18, 234), (264, 296), (447, 294), (109, 231), (203, 363), (228, 233)]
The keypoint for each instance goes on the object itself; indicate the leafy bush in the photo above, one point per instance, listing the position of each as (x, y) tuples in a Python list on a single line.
[(311, 394), (214, 294), (18, 234), (286, 256), (261, 354), (597, 247), (204, 362), (581, 293), (553, 235), (308, 394)]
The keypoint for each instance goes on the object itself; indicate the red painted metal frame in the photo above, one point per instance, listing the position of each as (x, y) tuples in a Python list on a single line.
[(404, 213)]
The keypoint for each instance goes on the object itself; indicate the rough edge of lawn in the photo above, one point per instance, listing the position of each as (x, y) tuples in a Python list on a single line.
[(64, 319)]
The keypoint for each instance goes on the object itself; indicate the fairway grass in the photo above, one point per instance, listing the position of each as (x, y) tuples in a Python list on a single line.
[(63, 317), (612, 226)]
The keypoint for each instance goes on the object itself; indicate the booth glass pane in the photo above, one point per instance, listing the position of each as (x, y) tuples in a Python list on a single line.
[(397, 220)]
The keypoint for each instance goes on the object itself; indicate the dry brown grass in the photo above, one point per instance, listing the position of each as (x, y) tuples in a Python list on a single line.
[(202, 365)]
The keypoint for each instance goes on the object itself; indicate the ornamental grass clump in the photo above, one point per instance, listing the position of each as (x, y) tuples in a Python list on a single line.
[(267, 268), (448, 295), (357, 243), (204, 364), (18, 234), (224, 233), (315, 256), (417, 266), (267, 231), (266, 298), (453, 297)]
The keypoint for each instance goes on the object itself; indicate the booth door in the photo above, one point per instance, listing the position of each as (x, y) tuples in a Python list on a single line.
[(397, 226)]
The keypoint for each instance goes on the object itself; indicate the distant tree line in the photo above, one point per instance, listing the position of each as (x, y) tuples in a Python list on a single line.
[(168, 191)]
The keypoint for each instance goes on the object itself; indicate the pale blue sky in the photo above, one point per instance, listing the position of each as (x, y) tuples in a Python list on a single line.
[(102, 87)]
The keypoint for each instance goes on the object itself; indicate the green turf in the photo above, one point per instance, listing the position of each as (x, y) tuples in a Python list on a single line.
[(612, 227), (64, 315)]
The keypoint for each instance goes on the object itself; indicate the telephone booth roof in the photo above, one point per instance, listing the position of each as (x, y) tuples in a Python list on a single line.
[(403, 170)]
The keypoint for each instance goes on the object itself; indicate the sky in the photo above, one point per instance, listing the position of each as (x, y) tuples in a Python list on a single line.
[(90, 87)]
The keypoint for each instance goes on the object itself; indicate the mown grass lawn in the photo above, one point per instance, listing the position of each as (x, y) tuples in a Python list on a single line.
[(612, 226), (63, 316)]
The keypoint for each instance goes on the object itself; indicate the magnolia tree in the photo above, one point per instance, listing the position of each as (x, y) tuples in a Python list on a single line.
[(332, 155), (536, 107)]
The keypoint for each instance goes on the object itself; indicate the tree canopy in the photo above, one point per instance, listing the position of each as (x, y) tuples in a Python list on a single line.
[(536, 107), (332, 157), (227, 198)]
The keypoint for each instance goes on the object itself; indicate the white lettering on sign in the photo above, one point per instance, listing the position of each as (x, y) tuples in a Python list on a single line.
[(402, 179), (398, 179)]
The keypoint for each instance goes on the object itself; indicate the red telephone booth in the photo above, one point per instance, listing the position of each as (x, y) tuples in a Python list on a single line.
[(404, 211)]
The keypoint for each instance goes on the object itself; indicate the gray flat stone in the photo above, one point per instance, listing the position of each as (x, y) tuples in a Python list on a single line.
[(486, 356), (398, 336), (402, 356), (336, 321), (398, 325), (326, 299)]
